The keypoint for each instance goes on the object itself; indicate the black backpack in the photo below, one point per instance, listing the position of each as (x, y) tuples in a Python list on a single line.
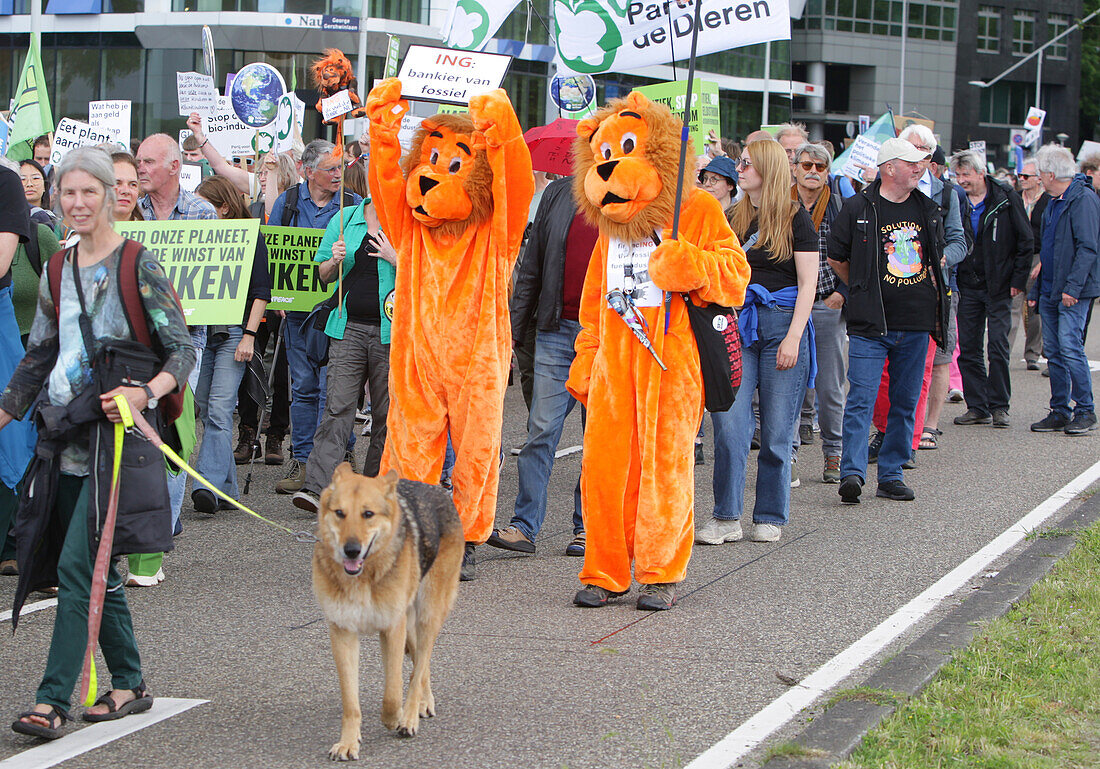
[(290, 205)]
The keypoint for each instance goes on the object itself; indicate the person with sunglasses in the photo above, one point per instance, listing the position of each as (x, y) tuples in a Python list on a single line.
[(1035, 202)]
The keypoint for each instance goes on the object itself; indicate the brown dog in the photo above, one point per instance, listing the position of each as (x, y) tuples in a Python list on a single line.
[(387, 562)]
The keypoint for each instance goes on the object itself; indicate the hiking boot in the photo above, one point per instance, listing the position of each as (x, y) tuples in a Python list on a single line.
[(273, 450), (765, 532), (660, 596), (204, 501), (306, 500), (294, 478), (806, 434), (700, 458), (1000, 418), (896, 490), (850, 489), (576, 547), (1052, 422), (469, 563), (9, 568), (717, 531), (911, 463), (831, 473), (594, 596), (874, 447), (1081, 424), (245, 441), (973, 417), (511, 538)]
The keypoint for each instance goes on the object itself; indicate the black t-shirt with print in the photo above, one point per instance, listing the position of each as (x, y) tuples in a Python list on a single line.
[(774, 275), (361, 285), (908, 292), (14, 212)]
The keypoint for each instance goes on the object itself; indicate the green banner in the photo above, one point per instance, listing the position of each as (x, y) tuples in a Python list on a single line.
[(294, 281), (208, 261), (704, 115)]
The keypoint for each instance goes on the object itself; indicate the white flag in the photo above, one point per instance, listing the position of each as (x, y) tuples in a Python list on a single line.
[(471, 24)]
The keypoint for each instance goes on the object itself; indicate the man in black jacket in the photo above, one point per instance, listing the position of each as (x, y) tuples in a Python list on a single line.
[(887, 245), (548, 291), (993, 273)]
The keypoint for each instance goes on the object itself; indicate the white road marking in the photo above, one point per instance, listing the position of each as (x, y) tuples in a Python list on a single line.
[(97, 735), (30, 608), (783, 709), (566, 451)]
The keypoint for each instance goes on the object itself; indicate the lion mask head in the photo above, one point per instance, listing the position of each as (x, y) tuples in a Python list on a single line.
[(333, 73), (448, 180), (625, 161)]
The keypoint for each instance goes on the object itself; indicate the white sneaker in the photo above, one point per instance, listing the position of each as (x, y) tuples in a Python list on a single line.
[(136, 580), (954, 395), (765, 532), (716, 531), (795, 481)]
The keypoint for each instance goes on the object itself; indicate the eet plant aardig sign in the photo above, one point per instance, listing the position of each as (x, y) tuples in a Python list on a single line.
[(447, 76)]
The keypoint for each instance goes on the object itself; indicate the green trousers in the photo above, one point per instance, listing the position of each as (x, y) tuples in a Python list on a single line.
[(146, 564), (70, 628), (9, 501)]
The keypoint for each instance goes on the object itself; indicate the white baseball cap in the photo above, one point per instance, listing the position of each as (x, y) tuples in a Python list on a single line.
[(900, 149)]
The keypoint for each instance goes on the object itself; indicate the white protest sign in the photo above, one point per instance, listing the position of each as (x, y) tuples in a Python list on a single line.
[(1088, 148), (112, 117), (196, 93), (979, 147), (230, 137), (863, 152), (450, 77), (291, 113), (71, 134), (337, 105), (190, 176), (1034, 125)]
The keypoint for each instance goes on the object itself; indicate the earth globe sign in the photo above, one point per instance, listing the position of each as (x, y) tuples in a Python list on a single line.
[(255, 94), (572, 93)]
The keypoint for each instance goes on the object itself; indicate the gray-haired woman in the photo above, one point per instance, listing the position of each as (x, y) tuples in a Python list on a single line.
[(57, 358)]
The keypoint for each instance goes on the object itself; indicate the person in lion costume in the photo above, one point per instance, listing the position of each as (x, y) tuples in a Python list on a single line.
[(638, 474), (455, 212)]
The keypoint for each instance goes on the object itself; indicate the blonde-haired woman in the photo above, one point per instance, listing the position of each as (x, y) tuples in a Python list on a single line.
[(782, 248)]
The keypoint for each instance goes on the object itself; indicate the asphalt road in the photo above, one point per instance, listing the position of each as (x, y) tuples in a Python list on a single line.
[(521, 677)]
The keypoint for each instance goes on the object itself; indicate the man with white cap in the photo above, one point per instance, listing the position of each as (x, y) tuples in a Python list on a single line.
[(886, 245)]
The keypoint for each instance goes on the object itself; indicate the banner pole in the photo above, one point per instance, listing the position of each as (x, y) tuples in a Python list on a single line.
[(687, 113)]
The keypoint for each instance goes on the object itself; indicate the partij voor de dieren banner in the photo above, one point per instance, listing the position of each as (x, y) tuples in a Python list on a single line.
[(210, 264)]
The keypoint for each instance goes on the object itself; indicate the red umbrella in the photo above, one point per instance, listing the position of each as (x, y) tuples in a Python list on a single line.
[(551, 146)]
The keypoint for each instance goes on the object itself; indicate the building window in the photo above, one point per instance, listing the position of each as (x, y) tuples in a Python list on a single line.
[(989, 29), (928, 19), (1023, 33), (1006, 104), (1057, 23)]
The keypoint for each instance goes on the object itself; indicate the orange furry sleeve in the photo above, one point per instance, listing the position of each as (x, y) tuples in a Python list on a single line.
[(387, 183), (590, 315)]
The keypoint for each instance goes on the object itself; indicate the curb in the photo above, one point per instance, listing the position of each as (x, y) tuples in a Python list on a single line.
[(837, 732)]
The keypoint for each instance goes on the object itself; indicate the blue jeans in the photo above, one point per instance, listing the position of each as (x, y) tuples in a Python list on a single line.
[(906, 352), (1064, 346), (308, 389), (781, 395), (216, 397), (550, 405), (177, 484)]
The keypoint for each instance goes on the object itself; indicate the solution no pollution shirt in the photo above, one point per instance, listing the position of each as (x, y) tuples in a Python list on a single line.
[(908, 293)]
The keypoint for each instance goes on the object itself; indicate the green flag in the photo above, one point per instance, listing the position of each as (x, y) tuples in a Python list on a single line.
[(31, 112)]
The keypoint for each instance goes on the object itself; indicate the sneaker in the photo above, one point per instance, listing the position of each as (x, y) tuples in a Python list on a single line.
[(511, 538), (594, 596), (717, 531), (349, 457), (973, 417), (273, 450), (1046, 371), (831, 473), (700, 458), (1052, 422), (874, 447), (362, 416), (765, 532), (306, 500), (795, 481), (896, 490), (246, 446), (469, 563), (850, 489), (911, 463), (754, 445), (1081, 424), (137, 580), (9, 568), (660, 596), (367, 426), (1033, 365), (806, 434), (204, 501), (576, 547), (294, 478), (1000, 418), (954, 395)]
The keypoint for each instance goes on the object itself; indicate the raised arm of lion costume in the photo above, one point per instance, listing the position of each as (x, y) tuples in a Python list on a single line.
[(637, 477), (455, 211)]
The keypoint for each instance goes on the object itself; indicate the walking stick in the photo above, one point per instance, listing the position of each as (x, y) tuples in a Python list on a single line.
[(255, 448)]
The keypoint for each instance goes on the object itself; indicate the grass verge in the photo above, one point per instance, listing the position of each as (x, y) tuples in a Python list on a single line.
[(1024, 695)]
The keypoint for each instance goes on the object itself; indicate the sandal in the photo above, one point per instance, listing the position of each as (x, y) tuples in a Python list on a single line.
[(55, 715), (929, 437), (142, 701)]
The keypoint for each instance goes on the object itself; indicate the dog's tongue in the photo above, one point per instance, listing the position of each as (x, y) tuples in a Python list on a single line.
[(353, 565)]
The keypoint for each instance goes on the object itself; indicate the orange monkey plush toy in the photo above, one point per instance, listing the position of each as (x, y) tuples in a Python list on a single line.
[(456, 214), (638, 472)]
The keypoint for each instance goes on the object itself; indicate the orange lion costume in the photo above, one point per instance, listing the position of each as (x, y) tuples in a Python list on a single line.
[(456, 214), (638, 474)]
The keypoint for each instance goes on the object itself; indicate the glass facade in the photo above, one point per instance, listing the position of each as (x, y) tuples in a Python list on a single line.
[(1023, 33), (989, 29), (1057, 23), (928, 20), (398, 10)]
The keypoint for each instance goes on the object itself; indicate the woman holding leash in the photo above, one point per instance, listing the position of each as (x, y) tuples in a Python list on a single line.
[(61, 363)]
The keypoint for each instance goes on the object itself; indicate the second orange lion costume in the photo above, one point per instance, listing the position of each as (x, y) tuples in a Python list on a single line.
[(638, 475), (456, 214)]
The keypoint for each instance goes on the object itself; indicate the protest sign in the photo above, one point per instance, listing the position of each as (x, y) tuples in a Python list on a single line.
[(336, 105), (1034, 125), (470, 24), (227, 133), (1088, 148), (393, 53), (208, 261), (295, 284), (450, 77), (979, 147), (71, 134), (703, 116), (863, 152), (112, 117), (282, 130), (196, 93), (190, 176)]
